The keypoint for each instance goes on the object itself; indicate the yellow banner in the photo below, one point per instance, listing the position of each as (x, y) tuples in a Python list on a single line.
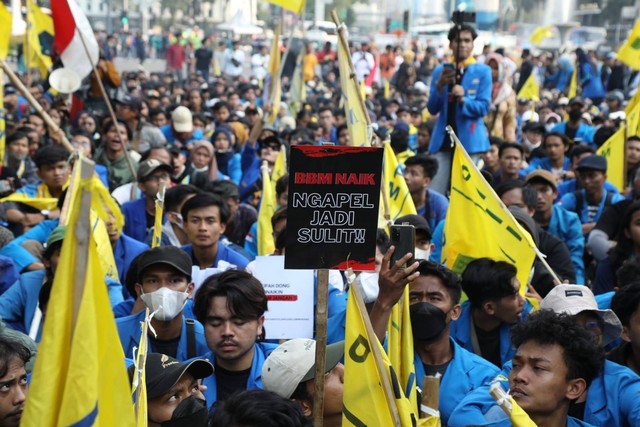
[(530, 90), (38, 24), (359, 131), (478, 226), (40, 203), (267, 209), (79, 376), (573, 84), (295, 6), (629, 52), (613, 151), (5, 22)]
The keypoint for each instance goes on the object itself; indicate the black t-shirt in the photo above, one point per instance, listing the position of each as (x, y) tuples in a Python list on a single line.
[(576, 410), (230, 382), (203, 58), (432, 370), (570, 133), (611, 218), (489, 343), (151, 220), (170, 348)]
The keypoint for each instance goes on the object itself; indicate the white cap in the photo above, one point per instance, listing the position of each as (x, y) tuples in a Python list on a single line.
[(574, 299), (182, 120), (530, 116), (293, 362)]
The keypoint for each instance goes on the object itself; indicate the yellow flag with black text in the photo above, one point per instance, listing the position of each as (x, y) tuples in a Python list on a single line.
[(629, 52), (79, 376), (613, 151), (530, 90), (478, 225), (400, 201)]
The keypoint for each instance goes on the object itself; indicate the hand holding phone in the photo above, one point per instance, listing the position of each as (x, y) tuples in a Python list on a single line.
[(403, 238)]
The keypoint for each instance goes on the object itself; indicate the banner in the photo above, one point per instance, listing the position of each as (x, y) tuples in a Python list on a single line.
[(267, 208), (39, 38), (478, 226), (613, 151), (80, 376), (334, 194), (290, 294)]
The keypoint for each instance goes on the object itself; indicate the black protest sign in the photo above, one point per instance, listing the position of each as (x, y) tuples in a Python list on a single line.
[(332, 212)]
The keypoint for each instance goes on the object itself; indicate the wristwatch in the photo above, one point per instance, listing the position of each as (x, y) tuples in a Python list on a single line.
[(45, 213)]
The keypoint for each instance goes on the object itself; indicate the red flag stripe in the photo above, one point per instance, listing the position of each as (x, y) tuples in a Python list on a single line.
[(63, 23)]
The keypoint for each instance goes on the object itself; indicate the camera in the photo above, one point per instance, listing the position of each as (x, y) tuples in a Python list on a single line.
[(459, 17)]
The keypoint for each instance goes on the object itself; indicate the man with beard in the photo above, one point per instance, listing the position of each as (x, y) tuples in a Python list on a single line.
[(434, 295)]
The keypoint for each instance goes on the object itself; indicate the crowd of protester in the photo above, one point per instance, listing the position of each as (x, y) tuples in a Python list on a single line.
[(195, 129)]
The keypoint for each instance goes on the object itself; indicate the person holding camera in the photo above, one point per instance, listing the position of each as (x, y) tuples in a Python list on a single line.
[(461, 96)]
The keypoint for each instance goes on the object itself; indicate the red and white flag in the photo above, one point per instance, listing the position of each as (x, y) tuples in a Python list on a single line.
[(70, 24)]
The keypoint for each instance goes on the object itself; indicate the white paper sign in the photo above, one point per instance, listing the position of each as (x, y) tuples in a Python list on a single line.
[(199, 275), (290, 294)]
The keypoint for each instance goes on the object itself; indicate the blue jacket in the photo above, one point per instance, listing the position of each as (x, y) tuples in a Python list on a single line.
[(545, 163), (584, 131), (129, 332), (8, 273), (465, 373), (470, 127), (590, 81), (566, 226), (250, 165), (613, 399), (18, 305), (261, 350), (438, 205), (569, 203), (135, 219), (171, 139), (224, 254), (125, 251), (569, 186), (437, 239), (604, 300), (21, 257), (461, 332)]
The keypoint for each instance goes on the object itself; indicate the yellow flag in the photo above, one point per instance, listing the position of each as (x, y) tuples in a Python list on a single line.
[(273, 90), (573, 84), (79, 376), (400, 347), (295, 6), (297, 90), (368, 383), (139, 384), (38, 24), (518, 417), (360, 132), (613, 151), (633, 103), (477, 224), (530, 90), (157, 226), (400, 201), (387, 89), (629, 52), (267, 209), (3, 126), (5, 22), (40, 203), (279, 169), (539, 34)]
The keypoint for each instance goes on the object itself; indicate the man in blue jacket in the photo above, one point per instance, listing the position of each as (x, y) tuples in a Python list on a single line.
[(494, 306), (139, 215), (434, 296), (600, 406), (560, 222), (205, 217), (231, 306), (574, 128), (461, 98), (164, 285)]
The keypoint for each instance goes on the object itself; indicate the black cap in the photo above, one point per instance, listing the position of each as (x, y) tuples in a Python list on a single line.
[(270, 141), (536, 127), (576, 100), (418, 222), (592, 162), (9, 89), (163, 372), (168, 255), (149, 166)]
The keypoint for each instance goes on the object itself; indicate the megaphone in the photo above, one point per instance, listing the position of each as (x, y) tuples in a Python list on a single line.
[(65, 80)]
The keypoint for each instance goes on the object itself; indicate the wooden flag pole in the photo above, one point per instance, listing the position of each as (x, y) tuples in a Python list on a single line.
[(321, 345), (109, 107), (35, 104)]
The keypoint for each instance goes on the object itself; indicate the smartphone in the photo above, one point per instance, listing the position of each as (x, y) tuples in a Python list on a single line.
[(448, 66), (403, 237)]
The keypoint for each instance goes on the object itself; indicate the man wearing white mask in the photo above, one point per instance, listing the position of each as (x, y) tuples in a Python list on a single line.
[(164, 285)]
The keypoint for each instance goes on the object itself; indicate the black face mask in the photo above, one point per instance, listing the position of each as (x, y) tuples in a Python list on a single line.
[(575, 115), (428, 322), (222, 159), (191, 412)]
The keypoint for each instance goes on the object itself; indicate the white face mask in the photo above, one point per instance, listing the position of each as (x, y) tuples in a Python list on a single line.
[(170, 303), (422, 253), (368, 284), (179, 221)]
